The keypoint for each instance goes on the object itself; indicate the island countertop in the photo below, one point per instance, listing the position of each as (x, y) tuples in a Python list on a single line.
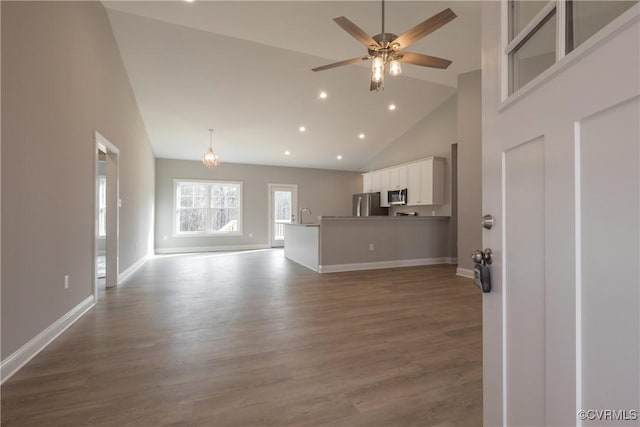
[(366, 218)]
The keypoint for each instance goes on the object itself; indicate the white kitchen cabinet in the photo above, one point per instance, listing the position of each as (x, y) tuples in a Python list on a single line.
[(366, 182), (414, 184), (425, 182), (385, 180), (398, 178), (371, 182)]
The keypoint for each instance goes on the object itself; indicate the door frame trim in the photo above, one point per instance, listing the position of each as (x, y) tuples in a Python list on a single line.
[(103, 144)]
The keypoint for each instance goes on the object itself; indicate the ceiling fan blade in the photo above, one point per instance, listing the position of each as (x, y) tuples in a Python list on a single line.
[(424, 28), (424, 60), (356, 32), (341, 63)]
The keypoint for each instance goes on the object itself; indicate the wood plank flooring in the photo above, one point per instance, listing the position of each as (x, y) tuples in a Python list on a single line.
[(253, 339)]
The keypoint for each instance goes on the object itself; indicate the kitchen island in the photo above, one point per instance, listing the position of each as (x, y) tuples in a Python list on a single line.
[(363, 243)]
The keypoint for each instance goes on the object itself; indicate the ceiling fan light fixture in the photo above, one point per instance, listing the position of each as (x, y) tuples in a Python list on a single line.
[(377, 69), (377, 64), (210, 158), (395, 69), (377, 76)]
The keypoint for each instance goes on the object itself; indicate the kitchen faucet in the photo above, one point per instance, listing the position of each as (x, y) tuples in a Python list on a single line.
[(300, 213)]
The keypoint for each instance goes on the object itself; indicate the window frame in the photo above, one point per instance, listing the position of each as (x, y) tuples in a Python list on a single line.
[(563, 58), (208, 232)]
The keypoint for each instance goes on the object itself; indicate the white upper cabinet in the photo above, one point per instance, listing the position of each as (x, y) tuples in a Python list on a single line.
[(371, 182), (398, 178), (414, 184), (366, 182), (423, 179), (425, 182), (385, 179)]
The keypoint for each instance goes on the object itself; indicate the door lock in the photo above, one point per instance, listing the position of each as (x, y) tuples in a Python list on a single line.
[(482, 257), (481, 270)]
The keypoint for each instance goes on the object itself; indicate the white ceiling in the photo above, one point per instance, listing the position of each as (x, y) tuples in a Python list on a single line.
[(243, 68)]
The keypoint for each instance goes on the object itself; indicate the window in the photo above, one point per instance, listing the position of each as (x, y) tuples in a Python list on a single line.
[(585, 18), (539, 36), (208, 207), (102, 206)]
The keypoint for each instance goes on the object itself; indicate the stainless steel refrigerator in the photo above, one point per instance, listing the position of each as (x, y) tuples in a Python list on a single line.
[(368, 204)]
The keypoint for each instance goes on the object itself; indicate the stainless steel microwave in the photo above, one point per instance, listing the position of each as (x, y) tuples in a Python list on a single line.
[(397, 197)]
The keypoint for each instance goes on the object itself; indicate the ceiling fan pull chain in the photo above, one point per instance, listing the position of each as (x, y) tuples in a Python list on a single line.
[(382, 16)]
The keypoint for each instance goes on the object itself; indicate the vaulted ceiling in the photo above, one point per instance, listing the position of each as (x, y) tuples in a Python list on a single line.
[(244, 69)]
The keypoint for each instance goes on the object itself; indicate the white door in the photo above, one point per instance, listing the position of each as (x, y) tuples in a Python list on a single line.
[(283, 206), (561, 161)]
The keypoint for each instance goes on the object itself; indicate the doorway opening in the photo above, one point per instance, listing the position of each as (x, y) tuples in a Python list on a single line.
[(283, 203), (107, 203)]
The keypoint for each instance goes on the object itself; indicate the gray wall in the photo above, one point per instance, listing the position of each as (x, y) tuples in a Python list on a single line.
[(346, 241), (469, 166), (325, 192), (62, 79)]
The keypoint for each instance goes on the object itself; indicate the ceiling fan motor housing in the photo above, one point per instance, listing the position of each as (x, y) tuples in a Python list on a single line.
[(384, 40), (385, 48)]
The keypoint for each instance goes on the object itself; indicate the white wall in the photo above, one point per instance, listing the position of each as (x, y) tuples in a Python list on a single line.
[(325, 192), (63, 79)]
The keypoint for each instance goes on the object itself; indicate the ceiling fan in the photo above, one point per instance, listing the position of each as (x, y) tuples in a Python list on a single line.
[(386, 48)]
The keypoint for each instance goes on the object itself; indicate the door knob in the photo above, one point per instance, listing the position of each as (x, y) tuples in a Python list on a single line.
[(487, 222), (482, 257)]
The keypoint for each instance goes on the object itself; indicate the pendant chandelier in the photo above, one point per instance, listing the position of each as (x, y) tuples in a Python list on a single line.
[(210, 158)]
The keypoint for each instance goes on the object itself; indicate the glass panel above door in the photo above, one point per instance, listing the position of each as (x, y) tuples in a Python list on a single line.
[(522, 12), (535, 54), (585, 18)]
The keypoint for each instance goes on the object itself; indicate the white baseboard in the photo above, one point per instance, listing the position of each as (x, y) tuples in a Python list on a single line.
[(24, 354), (125, 275), (383, 264), (188, 249), (464, 272), (314, 268)]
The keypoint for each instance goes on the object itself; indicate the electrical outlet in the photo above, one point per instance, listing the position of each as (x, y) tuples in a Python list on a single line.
[(66, 281), (371, 246), (250, 235), (433, 213)]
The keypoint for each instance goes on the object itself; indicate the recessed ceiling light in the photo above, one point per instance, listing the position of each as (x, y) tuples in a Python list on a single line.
[(189, 1), (339, 157), (302, 128), (286, 153), (323, 95), (361, 136), (392, 107)]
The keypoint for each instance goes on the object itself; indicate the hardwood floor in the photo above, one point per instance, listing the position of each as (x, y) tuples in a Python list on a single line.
[(252, 339)]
